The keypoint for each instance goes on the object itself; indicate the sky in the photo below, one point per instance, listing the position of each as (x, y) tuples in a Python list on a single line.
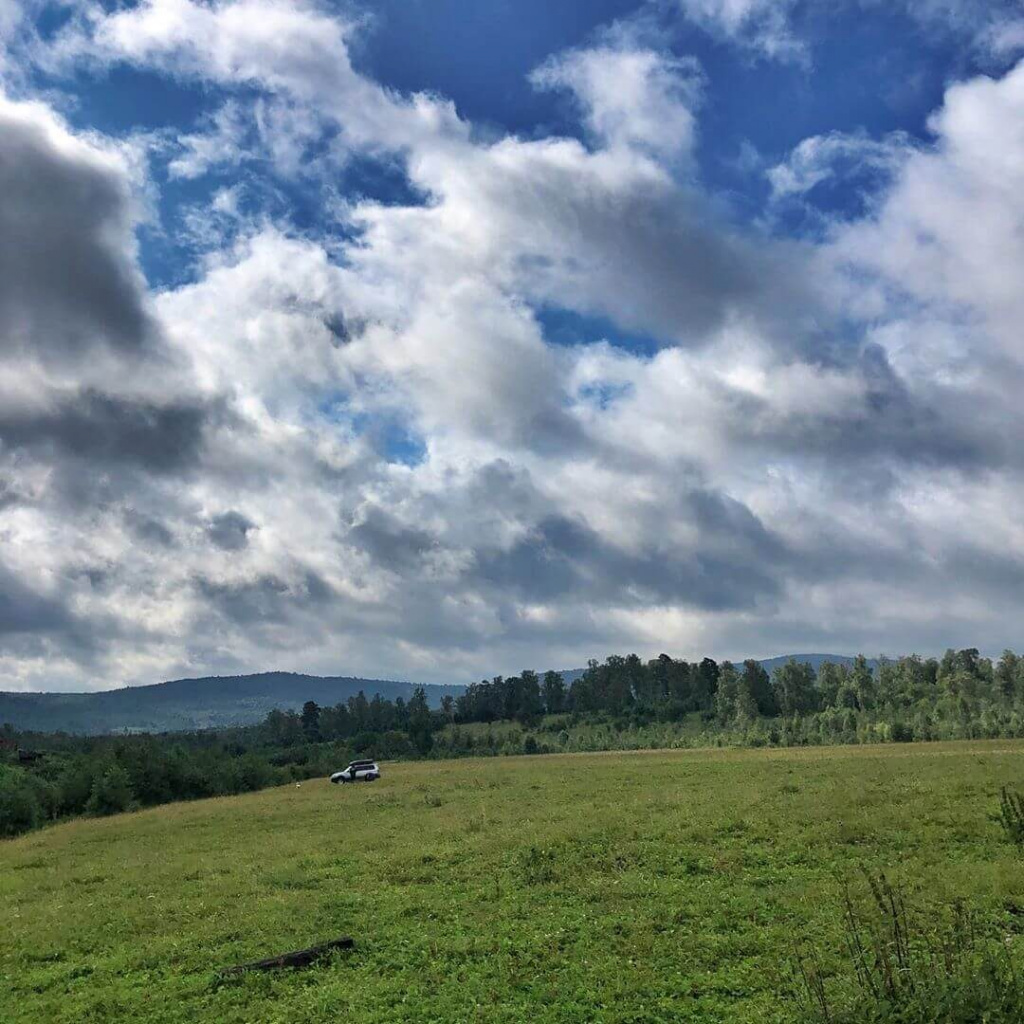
[(432, 340)]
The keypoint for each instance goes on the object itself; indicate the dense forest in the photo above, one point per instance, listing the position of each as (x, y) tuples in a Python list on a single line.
[(621, 703)]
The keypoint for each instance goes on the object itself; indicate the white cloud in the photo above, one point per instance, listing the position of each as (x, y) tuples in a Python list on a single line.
[(950, 232), (767, 27), (287, 48), (11, 17), (222, 143), (763, 25), (1006, 37), (631, 97), (357, 451), (822, 157)]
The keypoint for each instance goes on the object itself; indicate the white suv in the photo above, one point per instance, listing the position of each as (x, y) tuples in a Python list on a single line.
[(358, 771)]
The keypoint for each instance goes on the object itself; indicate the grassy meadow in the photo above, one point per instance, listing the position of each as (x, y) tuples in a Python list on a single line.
[(625, 887)]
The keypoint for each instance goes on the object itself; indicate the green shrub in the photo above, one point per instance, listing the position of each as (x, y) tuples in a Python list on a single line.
[(111, 792), (902, 732), (19, 805)]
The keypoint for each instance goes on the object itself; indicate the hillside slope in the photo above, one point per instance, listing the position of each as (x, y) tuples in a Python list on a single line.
[(193, 703), (656, 887)]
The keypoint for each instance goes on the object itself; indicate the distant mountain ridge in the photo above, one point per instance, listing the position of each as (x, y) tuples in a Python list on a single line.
[(814, 660), (203, 703), (220, 701)]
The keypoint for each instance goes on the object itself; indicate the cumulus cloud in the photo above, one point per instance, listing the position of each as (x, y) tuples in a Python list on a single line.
[(948, 233), (355, 448)]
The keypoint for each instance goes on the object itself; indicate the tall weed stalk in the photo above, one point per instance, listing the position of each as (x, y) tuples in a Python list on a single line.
[(903, 967)]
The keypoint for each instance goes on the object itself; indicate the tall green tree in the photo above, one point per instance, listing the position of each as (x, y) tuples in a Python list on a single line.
[(529, 702), (705, 683), (793, 684), (420, 732), (725, 695), (759, 686), (359, 711), (657, 683), (448, 708), (746, 709), (554, 693), (310, 719), (831, 678), (1008, 673), (862, 680)]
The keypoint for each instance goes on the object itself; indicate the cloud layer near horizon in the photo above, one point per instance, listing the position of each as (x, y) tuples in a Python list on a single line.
[(357, 447)]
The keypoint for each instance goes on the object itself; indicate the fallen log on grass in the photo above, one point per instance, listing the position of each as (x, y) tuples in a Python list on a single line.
[(298, 958)]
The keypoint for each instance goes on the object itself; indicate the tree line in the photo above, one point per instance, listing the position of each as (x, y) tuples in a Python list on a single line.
[(961, 684), (622, 701)]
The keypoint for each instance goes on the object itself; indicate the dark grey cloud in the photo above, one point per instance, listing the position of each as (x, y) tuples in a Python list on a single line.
[(25, 610), (267, 599), (736, 565), (735, 562), (8, 495), (889, 423), (390, 543), (67, 280), (147, 529), (683, 274), (110, 429), (38, 626), (981, 571), (658, 261), (230, 530)]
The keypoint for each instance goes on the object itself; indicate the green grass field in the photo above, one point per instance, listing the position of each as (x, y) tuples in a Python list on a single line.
[(660, 886)]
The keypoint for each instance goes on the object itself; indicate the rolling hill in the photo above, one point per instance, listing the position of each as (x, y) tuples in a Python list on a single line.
[(814, 660), (182, 704)]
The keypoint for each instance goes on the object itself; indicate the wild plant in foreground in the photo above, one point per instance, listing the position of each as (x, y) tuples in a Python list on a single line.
[(1011, 815), (905, 969)]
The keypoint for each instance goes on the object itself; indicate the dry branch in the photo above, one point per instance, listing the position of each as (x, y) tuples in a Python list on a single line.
[(297, 958)]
